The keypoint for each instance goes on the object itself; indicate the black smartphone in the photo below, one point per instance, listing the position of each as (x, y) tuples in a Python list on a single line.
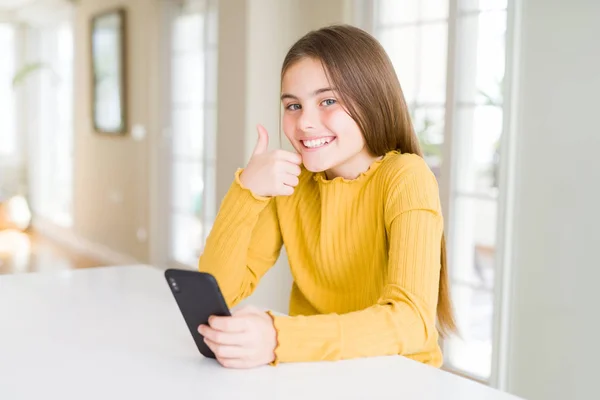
[(198, 296)]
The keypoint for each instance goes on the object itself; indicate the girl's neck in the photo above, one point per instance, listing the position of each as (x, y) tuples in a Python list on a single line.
[(353, 167)]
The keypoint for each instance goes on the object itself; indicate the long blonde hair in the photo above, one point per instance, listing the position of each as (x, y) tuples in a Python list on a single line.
[(359, 68)]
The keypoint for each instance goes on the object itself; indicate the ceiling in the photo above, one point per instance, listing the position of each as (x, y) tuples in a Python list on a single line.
[(11, 5), (34, 12)]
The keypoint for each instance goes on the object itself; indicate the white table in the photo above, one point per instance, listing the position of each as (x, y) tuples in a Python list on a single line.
[(116, 333)]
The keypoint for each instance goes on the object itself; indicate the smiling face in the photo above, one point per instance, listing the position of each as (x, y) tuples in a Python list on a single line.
[(317, 124)]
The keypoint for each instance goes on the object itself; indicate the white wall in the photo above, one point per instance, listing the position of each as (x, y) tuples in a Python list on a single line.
[(111, 177), (554, 348)]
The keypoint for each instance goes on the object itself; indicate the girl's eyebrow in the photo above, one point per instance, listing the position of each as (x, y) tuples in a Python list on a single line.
[(316, 92)]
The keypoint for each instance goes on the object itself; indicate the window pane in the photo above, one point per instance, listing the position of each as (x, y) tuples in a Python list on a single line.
[(478, 150), (401, 46), (431, 67), (475, 5), (481, 58), (186, 238), (211, 77), (188, 132), (188, 79), (428, 123), (188, 186), (474, 314), (474, 243), (7, 69), (394, 11), (434, 9), (49, 105), (187, 33), (63, 144), (419, 58), (472, 276), (210, 136)]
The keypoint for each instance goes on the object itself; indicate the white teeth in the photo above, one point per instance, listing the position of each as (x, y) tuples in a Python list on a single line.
[(316, 142)]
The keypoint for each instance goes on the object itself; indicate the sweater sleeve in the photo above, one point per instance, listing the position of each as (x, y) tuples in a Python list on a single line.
[(244, 242), (402, 321)]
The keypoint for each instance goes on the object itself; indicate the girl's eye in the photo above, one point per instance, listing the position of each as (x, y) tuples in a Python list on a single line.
[(329, 102), (293, 107)]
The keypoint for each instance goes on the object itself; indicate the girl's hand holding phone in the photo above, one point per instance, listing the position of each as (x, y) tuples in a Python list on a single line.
[(247, 339)]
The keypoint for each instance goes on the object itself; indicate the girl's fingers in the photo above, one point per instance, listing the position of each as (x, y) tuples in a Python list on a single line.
[(221, 337), (227, 352)]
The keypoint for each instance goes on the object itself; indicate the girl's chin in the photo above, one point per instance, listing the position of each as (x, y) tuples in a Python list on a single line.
[(314, 166)]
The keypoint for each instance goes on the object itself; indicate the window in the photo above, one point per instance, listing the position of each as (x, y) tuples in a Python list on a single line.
[(418, 36), (51, 100), (193, 129), (8, 132)]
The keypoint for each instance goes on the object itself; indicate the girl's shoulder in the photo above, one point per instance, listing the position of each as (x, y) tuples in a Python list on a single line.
[(408, 183), (397, 167)]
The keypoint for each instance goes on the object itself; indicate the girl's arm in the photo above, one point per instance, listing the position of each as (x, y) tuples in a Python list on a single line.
[(403, 319), (244, 243)]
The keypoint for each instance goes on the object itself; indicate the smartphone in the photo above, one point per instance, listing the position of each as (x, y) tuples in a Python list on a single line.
[(198, 296)]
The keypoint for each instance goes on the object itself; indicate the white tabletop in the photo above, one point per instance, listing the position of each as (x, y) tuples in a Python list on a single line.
[(116, 333)]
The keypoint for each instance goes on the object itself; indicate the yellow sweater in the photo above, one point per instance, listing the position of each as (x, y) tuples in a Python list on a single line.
[(364, 255)]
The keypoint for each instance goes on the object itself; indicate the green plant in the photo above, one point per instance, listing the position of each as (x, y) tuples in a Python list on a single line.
[(493, 99), (27, 70), (423, 132)]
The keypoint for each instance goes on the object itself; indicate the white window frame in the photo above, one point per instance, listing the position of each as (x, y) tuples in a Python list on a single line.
[(162, 161), (506, 203), (47, 200), (31, 24), (13, 155)]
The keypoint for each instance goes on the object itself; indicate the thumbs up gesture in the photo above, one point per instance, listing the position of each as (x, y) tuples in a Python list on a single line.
[(271, 173)]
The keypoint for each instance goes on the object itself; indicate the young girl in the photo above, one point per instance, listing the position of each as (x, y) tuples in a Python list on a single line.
[(357, 209)]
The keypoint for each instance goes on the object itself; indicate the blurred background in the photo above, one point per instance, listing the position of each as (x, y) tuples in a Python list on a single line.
[(123, 121)]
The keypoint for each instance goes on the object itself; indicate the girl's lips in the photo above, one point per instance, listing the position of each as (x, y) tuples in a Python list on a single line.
[(316, 143)]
